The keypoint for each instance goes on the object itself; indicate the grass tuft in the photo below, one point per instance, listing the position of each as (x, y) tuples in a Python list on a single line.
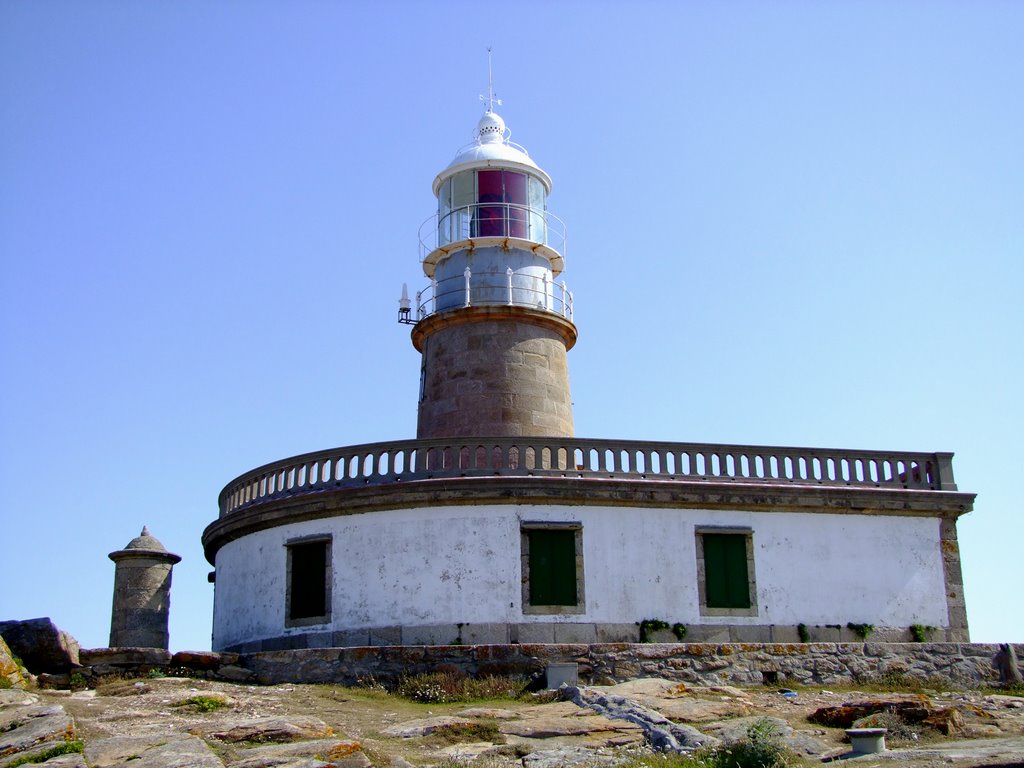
[(67, 748), (122, 688), (201, 704), (461, 733), (447, 687)]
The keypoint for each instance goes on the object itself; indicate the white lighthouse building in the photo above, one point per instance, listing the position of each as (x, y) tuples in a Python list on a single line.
[(497, 525)]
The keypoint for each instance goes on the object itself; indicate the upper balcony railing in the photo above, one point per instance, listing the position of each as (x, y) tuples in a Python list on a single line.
[(378, 464), (510, 288), (492, 220)]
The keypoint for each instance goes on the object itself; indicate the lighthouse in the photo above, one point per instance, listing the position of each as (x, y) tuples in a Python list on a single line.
[(497, 524), (495, 322)]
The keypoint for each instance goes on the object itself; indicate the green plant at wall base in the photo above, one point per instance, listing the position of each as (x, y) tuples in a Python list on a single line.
[(804, 633), (649, 626), (77, 681), (679, 630), (863, 631), (921, 633)]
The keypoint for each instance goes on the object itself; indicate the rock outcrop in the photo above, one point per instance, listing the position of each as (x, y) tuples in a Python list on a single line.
[(41, 645), (10, 671)]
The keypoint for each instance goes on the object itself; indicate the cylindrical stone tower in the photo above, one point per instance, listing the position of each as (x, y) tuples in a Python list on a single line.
[(142, 593), (493, 327)]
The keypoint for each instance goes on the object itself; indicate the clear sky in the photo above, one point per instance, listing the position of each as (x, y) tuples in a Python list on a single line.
[(790, 223)]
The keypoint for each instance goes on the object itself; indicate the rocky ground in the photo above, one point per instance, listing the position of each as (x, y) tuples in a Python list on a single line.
[(180, 722)]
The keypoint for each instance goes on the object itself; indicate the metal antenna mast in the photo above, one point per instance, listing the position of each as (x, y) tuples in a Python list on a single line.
[(490, 98)]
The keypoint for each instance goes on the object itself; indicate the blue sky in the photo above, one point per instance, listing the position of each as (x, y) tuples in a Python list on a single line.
[(790, 223)]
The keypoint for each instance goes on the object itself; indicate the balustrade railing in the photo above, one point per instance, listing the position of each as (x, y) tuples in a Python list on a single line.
[(495, 288), (377, 464)]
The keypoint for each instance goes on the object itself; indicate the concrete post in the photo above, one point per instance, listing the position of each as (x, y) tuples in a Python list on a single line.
[(142, 593)]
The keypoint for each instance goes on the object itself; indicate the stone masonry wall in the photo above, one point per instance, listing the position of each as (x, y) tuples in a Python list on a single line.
[(969, 664), (503, 377)]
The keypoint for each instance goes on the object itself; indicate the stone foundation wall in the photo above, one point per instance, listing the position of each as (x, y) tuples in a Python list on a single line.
[(579, 633), (969, 664)]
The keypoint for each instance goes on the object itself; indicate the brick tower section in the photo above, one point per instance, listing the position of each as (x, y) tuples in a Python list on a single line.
[(494, 371)]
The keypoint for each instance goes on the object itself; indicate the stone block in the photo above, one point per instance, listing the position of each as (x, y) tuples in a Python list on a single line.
[(320, 640), (430, 634), (202, 660), (349, 638), (785, 633), (617, 633), (823, 634), (284, 643), (536, 633), (575, 633), (890, 635), (557, 674), (235, 674), (485, 634), (155, 657), (750, 633), (385, 636), (877, 649), (709, 633), (660, 636)]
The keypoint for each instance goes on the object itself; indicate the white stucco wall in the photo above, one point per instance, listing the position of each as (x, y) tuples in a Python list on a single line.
[(447, 565)]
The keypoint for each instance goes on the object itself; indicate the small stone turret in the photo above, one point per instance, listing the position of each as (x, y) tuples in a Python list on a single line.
[(142, 593)]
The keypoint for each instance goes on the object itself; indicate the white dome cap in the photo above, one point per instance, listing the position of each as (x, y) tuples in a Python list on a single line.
[(492, 149), (491, 128)]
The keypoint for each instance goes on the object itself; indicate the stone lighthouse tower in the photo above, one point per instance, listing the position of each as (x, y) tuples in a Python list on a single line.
[(495, 323)]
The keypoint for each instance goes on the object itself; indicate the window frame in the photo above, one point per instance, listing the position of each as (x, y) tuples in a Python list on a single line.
[(748, 534), (552, 610), (291, 545)]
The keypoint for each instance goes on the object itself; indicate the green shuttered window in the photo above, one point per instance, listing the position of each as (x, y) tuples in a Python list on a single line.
[(552, 567), (552, 563), (725, 568)]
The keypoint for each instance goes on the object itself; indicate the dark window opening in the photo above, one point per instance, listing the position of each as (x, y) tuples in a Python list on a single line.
[(308, 578)]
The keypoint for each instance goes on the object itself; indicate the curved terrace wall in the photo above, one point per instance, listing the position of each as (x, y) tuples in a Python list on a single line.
[(434, 575), (426, 541)]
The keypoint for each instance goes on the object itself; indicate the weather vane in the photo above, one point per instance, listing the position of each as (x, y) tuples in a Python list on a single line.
[(490, 98)]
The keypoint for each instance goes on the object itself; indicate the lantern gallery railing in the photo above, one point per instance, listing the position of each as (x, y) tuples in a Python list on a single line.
[(525, 289), (413, 460), (492, 220)]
